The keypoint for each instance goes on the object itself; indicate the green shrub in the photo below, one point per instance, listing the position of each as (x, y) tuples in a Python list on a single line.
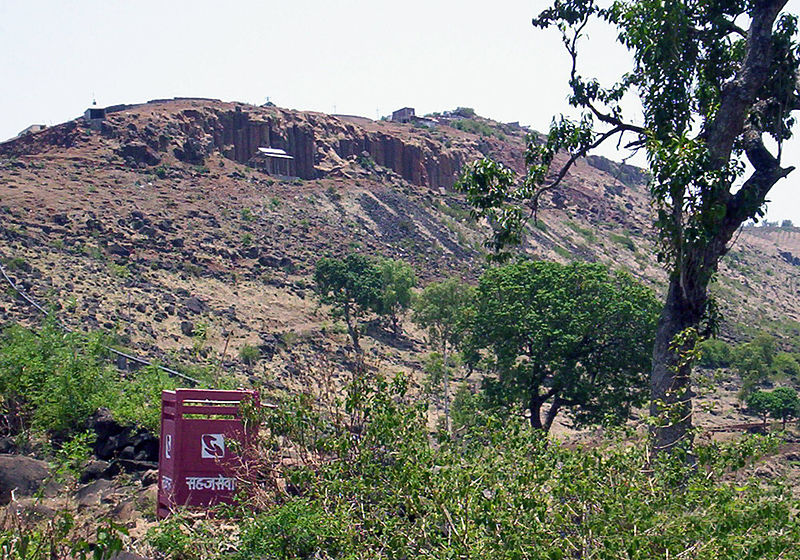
[(715, 353), (498, 490), (785, 365), (298, 529), (138, 399), (623, 240), (52, 381), (249, 354)]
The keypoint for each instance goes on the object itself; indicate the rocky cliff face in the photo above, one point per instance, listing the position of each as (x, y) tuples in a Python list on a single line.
[(190, 131)]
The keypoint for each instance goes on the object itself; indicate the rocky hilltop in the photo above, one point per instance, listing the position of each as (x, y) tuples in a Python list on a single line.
[(162, 221)]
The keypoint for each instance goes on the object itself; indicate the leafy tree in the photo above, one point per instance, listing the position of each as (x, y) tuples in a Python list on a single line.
[(440, 309), (787, 224), (753, 361), (397, 281), (352, 286), (785, 365), (710, 92), (782, 403), (759, 402), (785, 404), (571, 335)]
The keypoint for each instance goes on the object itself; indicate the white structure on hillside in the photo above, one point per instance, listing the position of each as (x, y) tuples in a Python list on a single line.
[(275, 162)]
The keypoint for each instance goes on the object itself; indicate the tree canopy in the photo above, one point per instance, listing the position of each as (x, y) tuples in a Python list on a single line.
[(352, 286), (569, 335), (713, 94)]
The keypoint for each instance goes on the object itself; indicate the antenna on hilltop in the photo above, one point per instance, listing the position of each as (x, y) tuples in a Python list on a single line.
[(94, 100)]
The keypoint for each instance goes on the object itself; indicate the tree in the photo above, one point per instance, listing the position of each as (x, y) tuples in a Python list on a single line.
[(710, 91), (782, 403), (571, 335), (440, 309), (352, 286), (753, 361), (397, 281)]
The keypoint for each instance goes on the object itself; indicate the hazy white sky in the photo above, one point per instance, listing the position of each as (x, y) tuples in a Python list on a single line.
[(364, 57)]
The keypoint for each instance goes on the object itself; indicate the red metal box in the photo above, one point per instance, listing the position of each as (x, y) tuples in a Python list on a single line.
[(196, 460)]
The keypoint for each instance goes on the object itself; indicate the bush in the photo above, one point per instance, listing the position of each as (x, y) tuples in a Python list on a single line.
[(249, 354), (715, 353), (298, 529), (499, 490), (51, 381), (786, 365)]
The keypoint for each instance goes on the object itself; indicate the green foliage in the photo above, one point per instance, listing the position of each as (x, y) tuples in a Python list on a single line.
[(714, 353), (572, 335), (247, 215), (623, 240), (781, 403), (55, 539), (138, 399), (298, 529), (51, 382), (442, 308), (397, 281), (785, 365), (712, 97), (496, 491), (249, 354), (71, 457), (753, 361), (351, 286)]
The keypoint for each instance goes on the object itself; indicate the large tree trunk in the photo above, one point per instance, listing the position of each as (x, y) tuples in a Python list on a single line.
[(352, 328), (670, 382), (535, 407)]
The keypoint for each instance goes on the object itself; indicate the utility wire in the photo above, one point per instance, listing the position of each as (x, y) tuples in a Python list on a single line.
[(114, 351)]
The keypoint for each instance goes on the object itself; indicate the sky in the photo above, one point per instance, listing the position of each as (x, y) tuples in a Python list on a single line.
[(361, 57)]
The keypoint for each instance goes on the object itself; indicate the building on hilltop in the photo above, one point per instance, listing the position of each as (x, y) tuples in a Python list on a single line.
[(94, 116), (403, 115), (32, 129)]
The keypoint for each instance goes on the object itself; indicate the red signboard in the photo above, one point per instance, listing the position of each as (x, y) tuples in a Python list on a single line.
[(196, 460)]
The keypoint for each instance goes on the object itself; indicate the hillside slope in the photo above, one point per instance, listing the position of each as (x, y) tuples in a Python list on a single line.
[(155, 223)]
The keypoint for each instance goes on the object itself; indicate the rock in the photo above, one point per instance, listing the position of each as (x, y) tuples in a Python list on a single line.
[(138, 152), (92, 493), (195, 305), (94, 470), (22, 476), (150, 477), (61, 219), (119, 250), (187, 328), (193, 151), (7, 445), (130, 465)]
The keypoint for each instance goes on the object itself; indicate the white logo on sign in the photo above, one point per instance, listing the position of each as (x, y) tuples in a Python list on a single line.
[(168, 447), (212, 446)]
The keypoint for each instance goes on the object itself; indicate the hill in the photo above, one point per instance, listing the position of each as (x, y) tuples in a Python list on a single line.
[(159, 221)]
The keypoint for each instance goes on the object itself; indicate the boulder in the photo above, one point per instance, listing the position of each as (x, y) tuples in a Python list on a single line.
[(138, 152), (195, 305), (22, 476)]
